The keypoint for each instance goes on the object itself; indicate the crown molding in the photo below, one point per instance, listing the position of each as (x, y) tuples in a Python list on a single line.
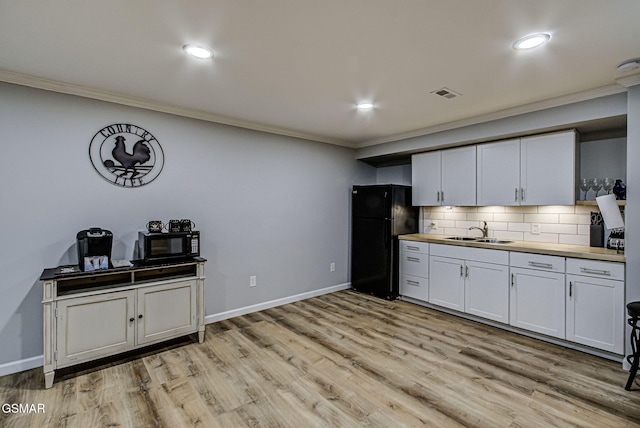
[(629, 81), (117, 98), (501, 114)]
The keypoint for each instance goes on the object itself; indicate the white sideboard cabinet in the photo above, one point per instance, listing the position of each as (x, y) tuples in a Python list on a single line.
[(97, 314)]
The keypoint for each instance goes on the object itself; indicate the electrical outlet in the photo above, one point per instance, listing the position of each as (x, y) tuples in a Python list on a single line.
[(332, 267), (252, 281), (535, 228)]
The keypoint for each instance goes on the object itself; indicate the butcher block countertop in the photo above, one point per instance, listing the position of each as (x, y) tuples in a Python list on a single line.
[(563, 250)]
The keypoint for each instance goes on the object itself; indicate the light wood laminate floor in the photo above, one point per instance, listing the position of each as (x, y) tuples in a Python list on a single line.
[(339, 360)]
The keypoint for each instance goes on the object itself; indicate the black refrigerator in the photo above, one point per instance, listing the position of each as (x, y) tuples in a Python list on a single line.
[(379, 214)]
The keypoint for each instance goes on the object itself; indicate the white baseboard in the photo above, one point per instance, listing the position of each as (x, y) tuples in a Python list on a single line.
[(21, 365), (37, 361), (273, 303)]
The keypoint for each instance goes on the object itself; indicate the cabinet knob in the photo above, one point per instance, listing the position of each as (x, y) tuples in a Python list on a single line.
[(140, 316), (132, 319)]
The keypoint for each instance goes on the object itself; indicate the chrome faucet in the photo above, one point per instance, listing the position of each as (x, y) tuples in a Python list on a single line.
[(484, 230)]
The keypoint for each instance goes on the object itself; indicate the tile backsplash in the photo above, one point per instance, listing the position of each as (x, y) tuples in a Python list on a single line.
[(553, 224)]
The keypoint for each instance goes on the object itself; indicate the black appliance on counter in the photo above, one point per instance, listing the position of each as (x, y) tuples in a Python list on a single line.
[(167, 246), (94, 248), (379, 214)]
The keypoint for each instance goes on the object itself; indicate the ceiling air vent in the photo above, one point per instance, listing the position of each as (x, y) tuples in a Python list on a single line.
[(446, 93)]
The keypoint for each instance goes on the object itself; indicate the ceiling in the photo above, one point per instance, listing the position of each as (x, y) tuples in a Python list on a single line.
[(298, 67)]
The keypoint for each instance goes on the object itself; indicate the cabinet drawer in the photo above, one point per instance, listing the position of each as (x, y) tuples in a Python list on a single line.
[(498, 257), (416, 264), (537, 261), (415, 287), (414, 247), (595, 268)]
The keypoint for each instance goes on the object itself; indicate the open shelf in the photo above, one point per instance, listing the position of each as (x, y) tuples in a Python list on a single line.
[(594, 203)]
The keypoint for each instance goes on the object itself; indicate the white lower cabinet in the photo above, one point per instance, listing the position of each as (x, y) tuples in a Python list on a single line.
[(166, 311), (537, 293), (486, 290), (477, 283), (414, 270), (95, 315), (446, 285), (79, 340), (575, 300), (126, 319), (595, 304)]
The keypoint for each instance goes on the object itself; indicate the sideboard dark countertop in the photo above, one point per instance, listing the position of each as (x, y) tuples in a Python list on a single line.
[(56, 272)]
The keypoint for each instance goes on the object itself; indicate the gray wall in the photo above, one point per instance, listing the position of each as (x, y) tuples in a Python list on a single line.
[(632, 217), (266, 205)]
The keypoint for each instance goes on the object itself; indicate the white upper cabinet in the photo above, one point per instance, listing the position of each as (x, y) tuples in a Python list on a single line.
[(445, 177), (548, 169), (537, 170), (499, 173), (459, 176), (425, 178)]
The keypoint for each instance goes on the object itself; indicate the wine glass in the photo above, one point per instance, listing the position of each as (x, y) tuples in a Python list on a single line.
[(585, 185), (596, 185), (607, 184)]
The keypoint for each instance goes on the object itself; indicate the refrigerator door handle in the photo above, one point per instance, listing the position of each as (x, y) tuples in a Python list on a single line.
[(386, 233), (386, 205)]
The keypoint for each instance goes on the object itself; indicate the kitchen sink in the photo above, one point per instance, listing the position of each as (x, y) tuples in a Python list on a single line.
[(493, 241), (461, 238)]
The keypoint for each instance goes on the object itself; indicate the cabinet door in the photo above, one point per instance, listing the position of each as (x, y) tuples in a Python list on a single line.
[(94, 326), (486, 291), (537, 301), (498, 173), (446, 282), (459, 176), (547, 169), (166, 311), (595, 312), (425, 179)]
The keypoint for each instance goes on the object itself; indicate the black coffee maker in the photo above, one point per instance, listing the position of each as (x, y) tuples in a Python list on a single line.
[(94, 248)]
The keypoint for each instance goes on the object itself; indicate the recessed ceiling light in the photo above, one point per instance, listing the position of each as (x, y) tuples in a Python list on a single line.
[(198, 51), (531, 41), (365, 106), (628, 65)]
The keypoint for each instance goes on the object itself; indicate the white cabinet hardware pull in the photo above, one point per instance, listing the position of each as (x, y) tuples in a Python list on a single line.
[(541, 265), (412, 282), (595, 271), (412, 248), (413, 259)]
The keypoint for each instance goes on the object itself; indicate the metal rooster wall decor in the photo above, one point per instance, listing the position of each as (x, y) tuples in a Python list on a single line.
[(126, 155)]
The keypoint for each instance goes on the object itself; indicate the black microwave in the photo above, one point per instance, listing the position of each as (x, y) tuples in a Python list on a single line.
[(168, 246)]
